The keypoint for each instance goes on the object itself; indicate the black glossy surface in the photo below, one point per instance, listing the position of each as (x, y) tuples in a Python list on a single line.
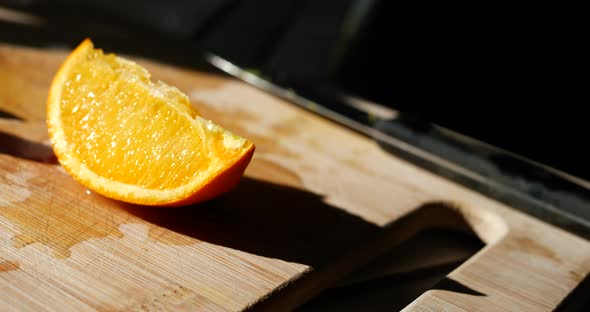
[(510, 73)]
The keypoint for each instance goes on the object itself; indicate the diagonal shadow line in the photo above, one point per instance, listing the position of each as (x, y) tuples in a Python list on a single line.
[(389, 293), (26, 149), (8, 115), (578, 299), (439, 272), (452, 285)]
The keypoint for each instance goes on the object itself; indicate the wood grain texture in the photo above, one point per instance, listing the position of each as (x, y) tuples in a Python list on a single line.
[(317, 202)]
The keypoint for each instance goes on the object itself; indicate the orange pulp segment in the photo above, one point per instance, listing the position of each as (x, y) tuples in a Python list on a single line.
[(125, 137)]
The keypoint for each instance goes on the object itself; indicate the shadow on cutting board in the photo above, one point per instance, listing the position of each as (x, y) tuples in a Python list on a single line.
[(269, 220), (282, 222), (22, 148), (257, 217), (394, 280)]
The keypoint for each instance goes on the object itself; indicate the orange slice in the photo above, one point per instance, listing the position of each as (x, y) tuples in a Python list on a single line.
[(125, 137)]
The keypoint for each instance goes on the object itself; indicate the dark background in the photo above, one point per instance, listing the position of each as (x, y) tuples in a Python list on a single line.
[(511, 73)]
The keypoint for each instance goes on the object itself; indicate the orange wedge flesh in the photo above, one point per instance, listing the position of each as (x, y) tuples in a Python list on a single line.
[(127, 138)]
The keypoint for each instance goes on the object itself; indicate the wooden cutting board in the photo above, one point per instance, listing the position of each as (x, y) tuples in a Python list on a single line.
[(317, 202)]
